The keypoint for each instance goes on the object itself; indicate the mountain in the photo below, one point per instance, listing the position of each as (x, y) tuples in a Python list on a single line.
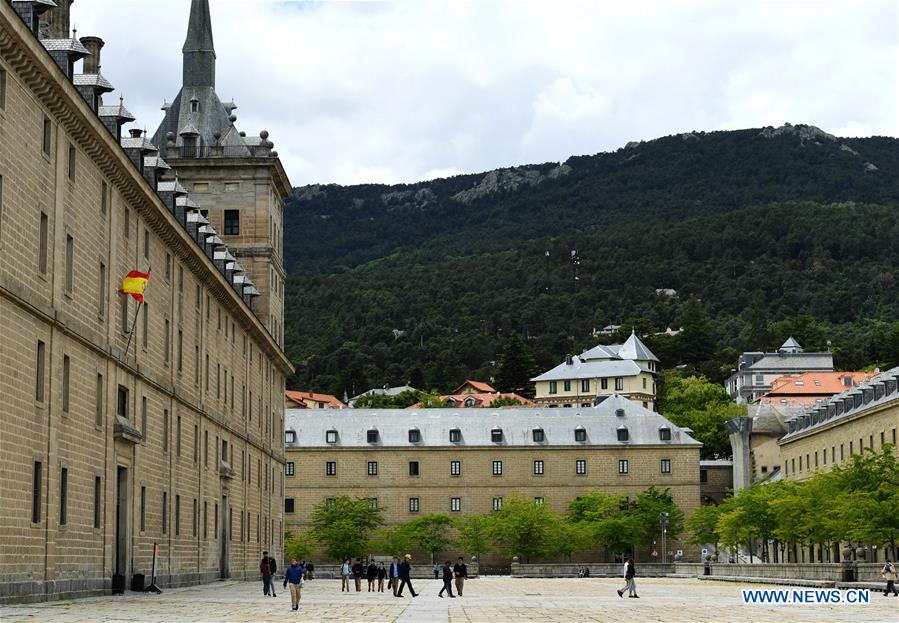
[(760, 232)]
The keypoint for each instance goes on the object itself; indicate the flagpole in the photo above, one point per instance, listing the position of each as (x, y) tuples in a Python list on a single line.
[(134, 324)]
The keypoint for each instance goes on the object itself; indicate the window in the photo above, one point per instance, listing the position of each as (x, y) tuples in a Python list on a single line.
[(101, 291), (644, 385), (71, 162), (99, 399), (178, 437), (98, 499), (232, 222), (585, 385), (566, 385), (496, 435), (413, 505), (553, 387), (206, 448), (665, 466), (372, 435), (177, 515), (330, 436), (455, 435), (145, 337), (538, 435), (704, 473), (580, 467), (372, 468), (455, 505), (3, 89), (373, 503), (580, 434), (331, 468), (289, 468), (165, 430), (70, 264), (604, 383), (167, 342), (539, 501), (36, 482), (143, 508), (622, 466), (497, 468), (414, 435), (39, 372), (147, 244), (497, 503), (126, 223), (193, 519), (63, 495), (288, 505), (65, 383), (180, 350), (104, 197), (538, 468), (413, 468), (43, 241), (622, 434), (45, 142), (664, 434), (455, 468), (619, 384), (165, 512), (290, 436), (206, 521)]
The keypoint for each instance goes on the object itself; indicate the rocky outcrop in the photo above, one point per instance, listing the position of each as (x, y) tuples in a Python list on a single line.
[(504, 180), (419, 198), (804, 132)]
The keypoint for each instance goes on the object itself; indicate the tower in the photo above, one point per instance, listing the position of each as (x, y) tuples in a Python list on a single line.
[(237, 180)]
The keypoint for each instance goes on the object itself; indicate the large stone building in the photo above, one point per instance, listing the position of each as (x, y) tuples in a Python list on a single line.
[(627, 369), (113, 440), (415, 462), (756, 371)]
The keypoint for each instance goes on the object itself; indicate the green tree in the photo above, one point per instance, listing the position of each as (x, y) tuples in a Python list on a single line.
[(697, 337), (474, 534), (571, 537), (299, 546), (383, 401), (702, 524), (431, 533), (516, 366), (505, 401), (524, 529), (344, 525), (695, 403), (392, 540), (647, 510)]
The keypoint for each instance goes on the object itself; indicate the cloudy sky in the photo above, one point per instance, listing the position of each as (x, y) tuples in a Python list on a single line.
[(390, 92)]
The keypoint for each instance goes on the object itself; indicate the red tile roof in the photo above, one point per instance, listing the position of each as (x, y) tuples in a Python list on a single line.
[(483, 400), (479, 387), (816, 383), (300, 398)]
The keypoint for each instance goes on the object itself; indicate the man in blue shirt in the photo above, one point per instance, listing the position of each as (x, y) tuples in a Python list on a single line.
[(293, 576)]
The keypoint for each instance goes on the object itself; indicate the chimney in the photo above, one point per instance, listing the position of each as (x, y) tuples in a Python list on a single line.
[(56, 20), (92, 62), (135, 132), (569, 360)]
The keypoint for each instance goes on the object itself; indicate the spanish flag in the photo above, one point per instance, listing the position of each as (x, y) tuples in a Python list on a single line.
[(134, 284)]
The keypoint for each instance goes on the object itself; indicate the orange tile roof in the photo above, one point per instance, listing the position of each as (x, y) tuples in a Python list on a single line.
[(482, 400), (300, 398), (480, 386), (816, 383)]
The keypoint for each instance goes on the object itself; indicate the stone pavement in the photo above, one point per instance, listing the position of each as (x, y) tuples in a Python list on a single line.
[(486, 600)]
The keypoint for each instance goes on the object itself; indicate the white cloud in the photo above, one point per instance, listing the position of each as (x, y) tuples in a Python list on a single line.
[(402, 91)]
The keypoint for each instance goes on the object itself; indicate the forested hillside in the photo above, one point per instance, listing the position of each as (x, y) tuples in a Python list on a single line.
[(763, 233)]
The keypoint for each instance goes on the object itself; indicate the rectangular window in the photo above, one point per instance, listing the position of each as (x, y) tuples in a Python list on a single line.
[(147, 244), (178, 436), (455, 468), (497, 468), (288, 505), (167, 342), (413, 505), (414, 435), (538, 468), (180, 350), (289, 468), (101, 291), (146, 332), (39, 372), (36, 483), (98, 500), (3, 89), (45, 141), (496, 435), (193, 519), (66, 366), (566, 385), (553, 387), (455, 505), (580, 434), (104, 197), (619, 384), (168, 267), (455, 435), (206, 520), (539, 501), (538, 435), (580, 467), (206, 448), (143, 417), (497, 503), (413, 468), (70, 264), (177, 515), (622, 466), (143, 509), (232, 222), (372, 468), (63, 496), (665, 466), (331, 468), (585, 385), (165, 512), (126, 223), (165, 430), (71, 162), (43, 242), (99, 399)]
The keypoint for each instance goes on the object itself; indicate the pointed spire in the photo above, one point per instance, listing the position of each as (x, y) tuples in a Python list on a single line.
[(198, 49)]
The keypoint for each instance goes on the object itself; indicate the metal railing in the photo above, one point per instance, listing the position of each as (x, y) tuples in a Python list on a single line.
[(210, 151)]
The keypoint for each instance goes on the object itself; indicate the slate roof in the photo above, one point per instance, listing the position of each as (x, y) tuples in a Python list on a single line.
[(634, 348), (601, 424), (597, 368), (92, 80), (155, 162), (173, 186), (65, 45), (141, 142), (792, 361), (118, 111), (791, 343)]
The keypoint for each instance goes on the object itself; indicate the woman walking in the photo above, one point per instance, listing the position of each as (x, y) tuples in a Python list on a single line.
[(630, 572)]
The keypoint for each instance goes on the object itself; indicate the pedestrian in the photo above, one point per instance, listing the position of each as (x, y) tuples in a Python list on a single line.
[(436, 571), (273, 565), (394, 574), (310, 571), (405, 572), (345, 576), (371, 574), (461, 573), (447, 580), (293, 576), (382, 573), (358, 572), (266, 570), (630, 572), (888, 573)]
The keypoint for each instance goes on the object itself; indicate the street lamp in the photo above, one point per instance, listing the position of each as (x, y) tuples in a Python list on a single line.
[(663, 521)]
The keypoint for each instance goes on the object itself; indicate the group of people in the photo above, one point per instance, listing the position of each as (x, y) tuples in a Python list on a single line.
[(294, 577), (398, 576)]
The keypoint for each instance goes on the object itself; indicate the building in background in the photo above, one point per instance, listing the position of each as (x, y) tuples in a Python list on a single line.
[(811, 388), (627, 369), (753, 440), (311, 400), (756, 371), (475, 395), (454, 462), (124, 427), (716, 480), (381, 391)]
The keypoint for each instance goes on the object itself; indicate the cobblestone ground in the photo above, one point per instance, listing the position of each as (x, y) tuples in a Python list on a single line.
[(487, 600)]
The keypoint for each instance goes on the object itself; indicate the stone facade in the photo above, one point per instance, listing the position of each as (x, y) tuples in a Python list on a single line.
[(104, 454), (716, 480)]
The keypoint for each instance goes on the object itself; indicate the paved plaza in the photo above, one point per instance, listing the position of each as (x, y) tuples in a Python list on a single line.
[(487, 600)]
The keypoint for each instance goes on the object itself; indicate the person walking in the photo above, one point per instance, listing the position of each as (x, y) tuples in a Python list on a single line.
[(382, 573), (293, 577), (405, 572), (630, 572), (358, 572), (888, 573), (345, 576), (461, 573), (436, 571), (310, 571), (394, 573), (371, 574), (447, 580), (266, 570), (273, 565)]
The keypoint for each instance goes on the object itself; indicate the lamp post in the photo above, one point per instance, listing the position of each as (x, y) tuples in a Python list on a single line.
[(663, 521)]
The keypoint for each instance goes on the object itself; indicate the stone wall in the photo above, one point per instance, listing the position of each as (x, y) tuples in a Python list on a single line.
[(599, 569)]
